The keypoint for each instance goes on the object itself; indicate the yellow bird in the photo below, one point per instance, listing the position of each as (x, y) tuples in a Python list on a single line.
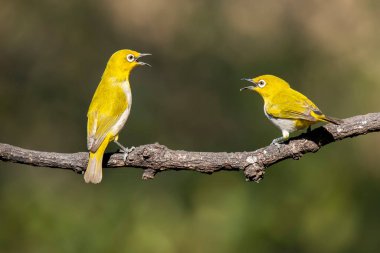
[(288, 109), (109, 109)]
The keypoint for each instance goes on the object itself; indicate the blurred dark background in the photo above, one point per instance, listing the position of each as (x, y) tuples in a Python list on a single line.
[(52, 55)]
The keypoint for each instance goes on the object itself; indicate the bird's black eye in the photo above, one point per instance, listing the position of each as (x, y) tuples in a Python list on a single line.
[(261, 83), (130, 57)]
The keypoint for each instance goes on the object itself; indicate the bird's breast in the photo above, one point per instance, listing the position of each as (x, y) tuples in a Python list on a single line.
[(128, 93), (124, 116)]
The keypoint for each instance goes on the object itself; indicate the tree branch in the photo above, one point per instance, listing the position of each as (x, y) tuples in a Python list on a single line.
[(155, 158)]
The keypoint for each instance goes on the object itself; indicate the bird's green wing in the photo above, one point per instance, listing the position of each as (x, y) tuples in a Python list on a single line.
[(105, 110), (292, 105)]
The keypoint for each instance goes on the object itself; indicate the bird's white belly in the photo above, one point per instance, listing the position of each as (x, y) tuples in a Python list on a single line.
[(284, 124), (124, 116)]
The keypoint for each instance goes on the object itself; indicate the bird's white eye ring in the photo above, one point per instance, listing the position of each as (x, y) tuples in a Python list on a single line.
[(130, 57), (261, 83)]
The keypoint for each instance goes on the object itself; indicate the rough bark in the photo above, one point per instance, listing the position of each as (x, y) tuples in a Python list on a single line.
[(155, 158)]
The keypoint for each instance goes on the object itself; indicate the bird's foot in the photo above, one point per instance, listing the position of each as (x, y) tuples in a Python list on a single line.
[(282, 139), (278, 141), (125, 150)]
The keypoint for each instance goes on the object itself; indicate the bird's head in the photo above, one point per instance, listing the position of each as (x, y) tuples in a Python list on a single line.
[(266, 85), (122, 62)]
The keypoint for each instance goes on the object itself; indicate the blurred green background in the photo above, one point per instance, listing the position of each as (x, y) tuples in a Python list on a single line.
[(52, 55)]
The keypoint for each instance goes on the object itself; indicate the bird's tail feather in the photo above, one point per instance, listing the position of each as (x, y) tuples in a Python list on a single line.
[(93, 172), (335, 121)]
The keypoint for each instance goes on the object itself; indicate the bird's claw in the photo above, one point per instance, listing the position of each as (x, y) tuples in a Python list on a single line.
[(277, 141), (127, 151)]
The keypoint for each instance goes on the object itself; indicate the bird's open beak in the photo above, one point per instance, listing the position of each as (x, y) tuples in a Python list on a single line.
[(143, 63), (248, 87)]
